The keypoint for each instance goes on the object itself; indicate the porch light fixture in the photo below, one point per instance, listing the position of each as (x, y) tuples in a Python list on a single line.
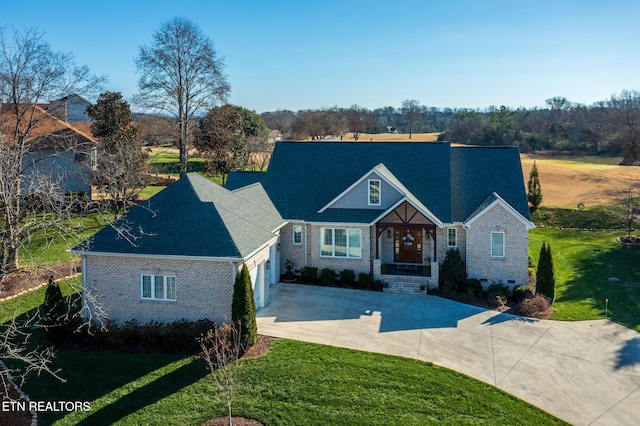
[(388, 233), (268, 264), (278, 247)]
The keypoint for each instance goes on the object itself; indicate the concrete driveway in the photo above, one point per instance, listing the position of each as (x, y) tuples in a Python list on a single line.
[(587, 373)]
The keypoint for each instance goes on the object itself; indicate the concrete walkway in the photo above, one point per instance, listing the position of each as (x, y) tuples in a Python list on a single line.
[(587, 373)]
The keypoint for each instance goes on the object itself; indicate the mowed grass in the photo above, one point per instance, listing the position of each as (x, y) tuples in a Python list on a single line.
[(49, 245), (295, 383), (584, 260)]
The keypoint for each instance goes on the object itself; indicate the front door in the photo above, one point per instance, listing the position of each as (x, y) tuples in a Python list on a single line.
[(407, 245)]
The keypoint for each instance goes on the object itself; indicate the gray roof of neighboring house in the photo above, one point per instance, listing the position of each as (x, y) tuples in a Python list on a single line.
[(451, 181), (193, 217)]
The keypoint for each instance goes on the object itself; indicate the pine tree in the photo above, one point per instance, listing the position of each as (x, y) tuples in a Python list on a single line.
[(534, 192), (545, 275), (243, 308), (55, 312)]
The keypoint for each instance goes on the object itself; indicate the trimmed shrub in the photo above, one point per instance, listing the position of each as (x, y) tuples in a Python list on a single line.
[(453, 274), (308, 275), (327, 276), (472, 288), (521, 292), (243, 309), (365, 280), (535, 307), (176, 337), (347, 276)]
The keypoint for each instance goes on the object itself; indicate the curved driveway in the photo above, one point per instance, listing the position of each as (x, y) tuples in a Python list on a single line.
[(583, 372)]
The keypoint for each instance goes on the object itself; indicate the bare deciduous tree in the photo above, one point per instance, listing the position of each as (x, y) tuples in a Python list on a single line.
[(181, 75), (33, 203), (221, 348), (411, 112), (31, 74)]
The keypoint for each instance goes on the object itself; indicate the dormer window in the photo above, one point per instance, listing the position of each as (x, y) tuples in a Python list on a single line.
[(374, 192)]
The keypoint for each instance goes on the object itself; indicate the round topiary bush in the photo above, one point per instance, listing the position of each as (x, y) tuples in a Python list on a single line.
[(521, 292)]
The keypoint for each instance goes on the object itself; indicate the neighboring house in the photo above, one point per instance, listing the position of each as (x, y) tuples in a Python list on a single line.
[(275, 136), (63, 154), (360, 206), (71, 109), (176, 255), (380, 208)]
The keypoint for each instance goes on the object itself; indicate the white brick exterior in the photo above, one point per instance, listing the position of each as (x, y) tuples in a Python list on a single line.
[(204, 289), (514, 265)]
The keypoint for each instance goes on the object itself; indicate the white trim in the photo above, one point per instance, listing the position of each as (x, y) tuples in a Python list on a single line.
[(422, 209), (293, 234), (499, 200), (369, 192), (455, 245), (333, 243), (165, 287), (504, 243), (157, 256), (178, 257)]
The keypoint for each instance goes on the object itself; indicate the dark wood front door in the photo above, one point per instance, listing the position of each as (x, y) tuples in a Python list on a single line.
[(407, 245)]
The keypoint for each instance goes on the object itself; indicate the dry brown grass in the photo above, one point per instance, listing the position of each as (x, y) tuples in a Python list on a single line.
[(393, 137), (567, 183)]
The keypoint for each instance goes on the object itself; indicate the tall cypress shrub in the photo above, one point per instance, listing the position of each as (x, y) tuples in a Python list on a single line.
[(534, 191), (243, 308), (545, 275)]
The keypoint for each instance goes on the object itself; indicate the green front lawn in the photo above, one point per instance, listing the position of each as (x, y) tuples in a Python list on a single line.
[(50, 245), (584, 260), (294, 384)]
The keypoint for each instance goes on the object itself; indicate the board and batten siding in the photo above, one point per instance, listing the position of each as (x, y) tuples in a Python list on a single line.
[(358, 196)]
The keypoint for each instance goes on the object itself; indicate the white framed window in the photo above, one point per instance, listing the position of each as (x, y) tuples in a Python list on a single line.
[(374, 192), (497, 244), (341, 242), (452, 237), (157, 287), (297, 235)]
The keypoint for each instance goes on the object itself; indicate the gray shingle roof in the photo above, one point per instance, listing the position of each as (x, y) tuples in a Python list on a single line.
[(304, 176), (194, 217), (450, 181)]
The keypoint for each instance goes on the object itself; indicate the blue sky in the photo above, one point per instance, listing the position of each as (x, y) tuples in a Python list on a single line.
[(312, 54)]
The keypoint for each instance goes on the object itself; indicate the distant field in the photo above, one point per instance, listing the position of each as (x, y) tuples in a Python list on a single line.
[(393, 137), (567, 182)]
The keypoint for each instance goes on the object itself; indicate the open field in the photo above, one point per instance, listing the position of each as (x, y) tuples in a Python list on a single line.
[(565, 183), (393, 137)]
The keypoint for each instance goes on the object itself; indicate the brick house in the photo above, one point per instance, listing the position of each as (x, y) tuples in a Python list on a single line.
[(176, 255), (390, 209)]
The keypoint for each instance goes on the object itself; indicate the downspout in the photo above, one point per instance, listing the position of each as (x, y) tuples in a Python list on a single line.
[(306, 244), (84, 287)]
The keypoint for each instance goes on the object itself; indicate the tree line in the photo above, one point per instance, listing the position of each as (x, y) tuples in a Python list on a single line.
[(610, 127)]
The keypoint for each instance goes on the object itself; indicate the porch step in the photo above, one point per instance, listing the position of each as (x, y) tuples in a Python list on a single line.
[(405, 287)]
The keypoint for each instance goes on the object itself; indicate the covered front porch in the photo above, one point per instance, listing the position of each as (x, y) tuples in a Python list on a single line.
[(406, 247)]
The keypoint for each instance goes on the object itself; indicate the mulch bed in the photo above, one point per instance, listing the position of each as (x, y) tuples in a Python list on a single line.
[(12, 417), (30, 278)]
